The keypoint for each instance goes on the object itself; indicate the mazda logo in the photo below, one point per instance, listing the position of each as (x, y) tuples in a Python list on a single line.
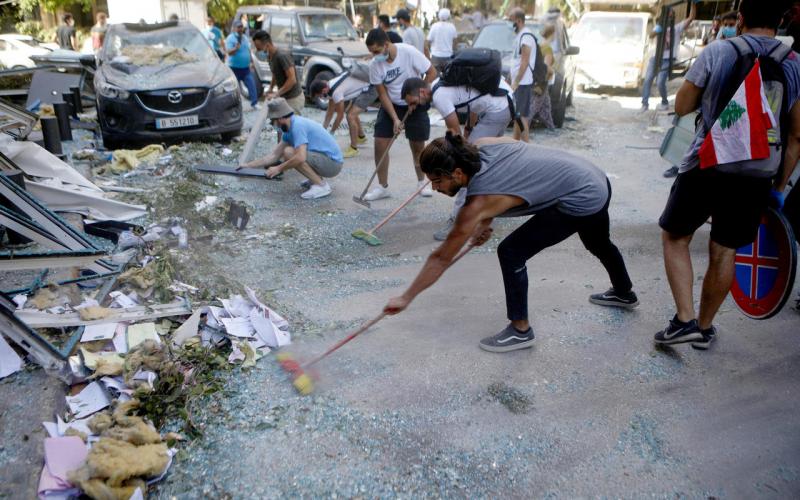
[(174, 96)]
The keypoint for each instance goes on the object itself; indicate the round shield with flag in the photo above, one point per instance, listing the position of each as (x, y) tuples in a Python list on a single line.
[(765, 269)]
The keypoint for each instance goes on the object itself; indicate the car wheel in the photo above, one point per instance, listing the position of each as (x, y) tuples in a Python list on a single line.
[(569, 98), (111, 144), (322, 102), (227, 137), (559, 108)]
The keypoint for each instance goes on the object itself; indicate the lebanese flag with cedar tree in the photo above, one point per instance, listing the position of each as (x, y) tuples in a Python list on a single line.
[(740, 132)]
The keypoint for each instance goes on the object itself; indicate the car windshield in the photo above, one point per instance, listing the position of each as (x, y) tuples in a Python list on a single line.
[(327, 26), (164, 47), (600, 31), (501, 36)]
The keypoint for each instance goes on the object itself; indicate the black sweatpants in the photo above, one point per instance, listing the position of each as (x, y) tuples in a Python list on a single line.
[(546, 229)]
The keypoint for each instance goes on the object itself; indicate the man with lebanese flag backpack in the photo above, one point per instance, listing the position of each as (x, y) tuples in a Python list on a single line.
[(746, 146)]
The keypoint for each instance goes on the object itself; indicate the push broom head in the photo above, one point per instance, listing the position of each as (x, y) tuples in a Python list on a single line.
[(301, 380), (369, 238), (362, 201)]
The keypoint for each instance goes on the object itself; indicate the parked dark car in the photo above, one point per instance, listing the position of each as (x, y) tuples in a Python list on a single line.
[(499, 35), (157, 82), (323, 42)]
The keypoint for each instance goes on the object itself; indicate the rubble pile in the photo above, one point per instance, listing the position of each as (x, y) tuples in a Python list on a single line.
[(131, 378), (136, 347), (146, 55)]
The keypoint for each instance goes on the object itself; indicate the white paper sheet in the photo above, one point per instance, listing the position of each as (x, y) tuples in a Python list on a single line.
[(237, 306), (120, 339), (91, 399), (20, 300), (188, 329), (238, 327), (123, 300), (102, 331), (80, 425), (10, 362)]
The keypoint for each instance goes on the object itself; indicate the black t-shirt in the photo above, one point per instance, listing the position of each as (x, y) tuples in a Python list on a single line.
[(279, 64), (394, 37), (64, 36)]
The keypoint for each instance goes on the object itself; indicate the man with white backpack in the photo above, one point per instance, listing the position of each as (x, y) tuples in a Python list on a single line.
[(746, 147), (350, 93)]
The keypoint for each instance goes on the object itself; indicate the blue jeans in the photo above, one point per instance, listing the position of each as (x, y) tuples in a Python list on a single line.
[(662, 80), (244, 75)]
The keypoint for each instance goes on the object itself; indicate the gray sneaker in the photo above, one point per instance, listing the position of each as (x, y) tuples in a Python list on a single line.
[(442, 233), (509, 339)]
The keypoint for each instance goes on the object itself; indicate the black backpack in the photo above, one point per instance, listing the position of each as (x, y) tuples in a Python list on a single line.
[(539, 68), (775, 87), (480, 69)]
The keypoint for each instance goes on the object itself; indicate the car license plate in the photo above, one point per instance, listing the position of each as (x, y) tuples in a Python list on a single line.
[(177, 121)]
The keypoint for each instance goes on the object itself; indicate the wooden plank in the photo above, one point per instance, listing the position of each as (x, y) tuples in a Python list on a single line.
[(40, 319)]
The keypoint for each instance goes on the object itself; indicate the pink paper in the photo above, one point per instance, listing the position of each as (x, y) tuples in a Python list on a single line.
[(63, 455)]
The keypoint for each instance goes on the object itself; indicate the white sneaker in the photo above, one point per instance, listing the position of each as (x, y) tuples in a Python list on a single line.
[(255, 106), (427, 192), (377, 193), (317, 191)]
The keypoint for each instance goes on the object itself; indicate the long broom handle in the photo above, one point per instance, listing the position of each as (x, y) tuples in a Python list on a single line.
[(396, 210), (383, 157), (366, 326)]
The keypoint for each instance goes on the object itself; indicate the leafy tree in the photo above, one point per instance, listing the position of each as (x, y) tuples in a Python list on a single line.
[(223, 10), (29, 6)]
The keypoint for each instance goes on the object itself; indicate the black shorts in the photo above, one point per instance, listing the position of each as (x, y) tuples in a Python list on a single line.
[(417, 127), (735, 204)]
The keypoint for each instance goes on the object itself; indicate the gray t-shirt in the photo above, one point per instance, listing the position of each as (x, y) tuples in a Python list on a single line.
[(541, 176), (414, 37), (711, 71)]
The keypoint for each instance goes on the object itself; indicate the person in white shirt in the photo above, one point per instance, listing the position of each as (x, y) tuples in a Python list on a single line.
[(441, 40), (411, 34), (342, 89), (522, 64), (489, 115), (391, 65)]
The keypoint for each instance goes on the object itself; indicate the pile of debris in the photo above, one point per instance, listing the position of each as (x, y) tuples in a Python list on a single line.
[(146, 55), (107, 315)]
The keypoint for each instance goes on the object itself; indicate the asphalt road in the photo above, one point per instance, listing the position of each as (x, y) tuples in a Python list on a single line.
[(415, 408)]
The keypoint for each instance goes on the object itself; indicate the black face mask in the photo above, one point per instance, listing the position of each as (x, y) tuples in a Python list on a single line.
[(516, 28), (285, 128)]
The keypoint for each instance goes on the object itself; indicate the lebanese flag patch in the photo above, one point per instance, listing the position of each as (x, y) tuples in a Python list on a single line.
[(740, 132)]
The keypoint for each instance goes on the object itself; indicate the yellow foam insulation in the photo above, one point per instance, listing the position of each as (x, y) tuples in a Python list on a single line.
[(124, 160)]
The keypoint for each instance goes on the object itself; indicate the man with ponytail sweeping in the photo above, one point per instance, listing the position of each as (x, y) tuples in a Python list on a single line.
[(507, 178)]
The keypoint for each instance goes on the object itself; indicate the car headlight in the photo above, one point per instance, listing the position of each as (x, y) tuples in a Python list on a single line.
[(105, 89), (227, 86), (347, 62)]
